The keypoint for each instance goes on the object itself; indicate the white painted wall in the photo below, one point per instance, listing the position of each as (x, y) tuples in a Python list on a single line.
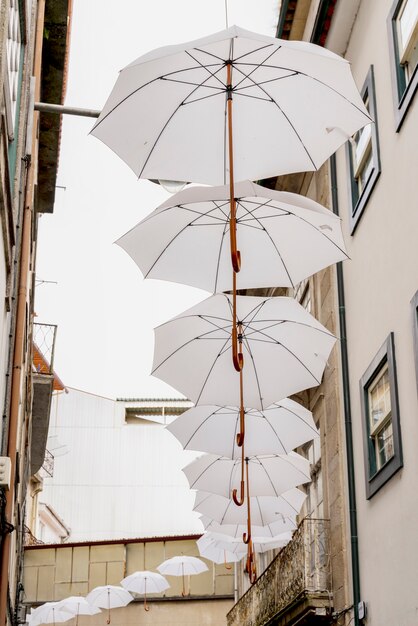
[(380, 280), (117, 480)]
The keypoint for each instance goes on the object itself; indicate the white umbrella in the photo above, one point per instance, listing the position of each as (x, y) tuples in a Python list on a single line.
[(236, 531), (145, 582), (181, 566), (209, 550), (49, 613), (109, 597), (286, 349), (166, 114), (265, 509), (238, 547), (77, 605), (284, 237), (279, 429), (271, 475)]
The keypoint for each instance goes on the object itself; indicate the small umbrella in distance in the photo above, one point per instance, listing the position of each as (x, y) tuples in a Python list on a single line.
[(182, 566), (109, 597), (145, 582), (49, 613), (77, 605)]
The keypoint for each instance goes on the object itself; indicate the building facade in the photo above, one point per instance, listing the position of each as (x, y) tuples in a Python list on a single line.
[(121, 473), (53, 572), (372, 465), (34, 39)]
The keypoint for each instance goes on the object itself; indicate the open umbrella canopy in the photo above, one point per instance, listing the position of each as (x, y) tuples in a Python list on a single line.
[(270, 475), (145, 582), (50, 613), (285, 350), (238, 547), (283, 238), (182, 566), (109, 597), (236, 531), (279, 429), (78, 605), (264, 509), (209, 550), (166, 114)]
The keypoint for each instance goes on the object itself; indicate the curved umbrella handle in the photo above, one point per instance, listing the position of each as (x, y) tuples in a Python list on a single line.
[(235, 254), (239, 502), (246, 537), (227, 566)]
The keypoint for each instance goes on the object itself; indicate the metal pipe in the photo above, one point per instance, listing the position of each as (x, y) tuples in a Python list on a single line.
[(355, 565), (61, 109)]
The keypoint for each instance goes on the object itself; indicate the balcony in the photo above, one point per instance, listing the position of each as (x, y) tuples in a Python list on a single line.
[(44, 382), (295, 588)]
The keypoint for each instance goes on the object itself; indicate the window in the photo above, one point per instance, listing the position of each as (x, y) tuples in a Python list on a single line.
[(403, 38), (414, 304), (381, 426), (363, 156), (14, 66)]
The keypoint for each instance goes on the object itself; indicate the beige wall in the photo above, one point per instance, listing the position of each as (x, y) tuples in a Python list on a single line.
[(54, 573), (380, 281)]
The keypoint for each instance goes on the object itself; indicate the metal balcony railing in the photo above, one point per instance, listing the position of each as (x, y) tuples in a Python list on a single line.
[(30, 539), (48, 464), (44, 347), (302, 567)]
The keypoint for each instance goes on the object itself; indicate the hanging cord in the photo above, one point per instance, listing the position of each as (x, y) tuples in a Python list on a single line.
[(226, 14)]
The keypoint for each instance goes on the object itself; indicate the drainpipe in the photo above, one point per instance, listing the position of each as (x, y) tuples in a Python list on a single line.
[(355, 566), (19, 346)]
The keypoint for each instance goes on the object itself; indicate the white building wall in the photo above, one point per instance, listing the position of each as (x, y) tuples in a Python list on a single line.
[(117, 480), (380, 279)]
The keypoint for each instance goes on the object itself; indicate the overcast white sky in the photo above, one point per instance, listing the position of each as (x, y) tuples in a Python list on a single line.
[(104, 309)]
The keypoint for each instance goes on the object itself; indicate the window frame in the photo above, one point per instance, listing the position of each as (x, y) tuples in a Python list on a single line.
[(414, 307), (376, 479), (358, 201), (403, 92)]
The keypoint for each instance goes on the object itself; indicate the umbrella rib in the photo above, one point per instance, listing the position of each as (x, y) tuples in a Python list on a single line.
[(212, 95), (285, 116), (219, 255), (205, 470), (268, 477), (276, 434), (275, 247), (290, 352), (186, 69), (167, 122), (260, 512), (299, 417), (264, 82), (187, 82), (255, 370), (199, 428), (180, 232), (181, 347), (273, 322), (210, 371), (256, 67), (256, 50), (205, 67)]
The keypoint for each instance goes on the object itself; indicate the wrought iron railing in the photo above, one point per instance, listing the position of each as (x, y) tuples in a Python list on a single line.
[(302, 566), (44, 347), (30, 539), (48, 464)]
